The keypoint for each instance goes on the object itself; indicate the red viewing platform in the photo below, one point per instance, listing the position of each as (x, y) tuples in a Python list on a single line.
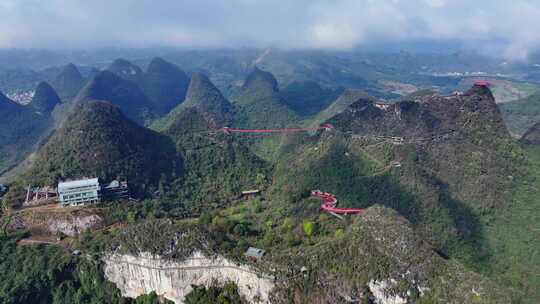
[(482, 83)]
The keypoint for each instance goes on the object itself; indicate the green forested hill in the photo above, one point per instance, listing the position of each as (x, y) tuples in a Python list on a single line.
[(126, 70), (20, 130), (203, 97), (96, 139), (454, 172), (45, 99), (68, 83), (165, 84), (450, 198), (217, 166), (260, 104), (123, 93)]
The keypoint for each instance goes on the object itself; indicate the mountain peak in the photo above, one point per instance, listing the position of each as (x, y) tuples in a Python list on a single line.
[(71, 71), (45, 98), (205, 96), (160, 65), (259, 79), (112, 147), (121, 92), (165, 84), (480, 90), (204, 102), (125, 69), (69, 82)]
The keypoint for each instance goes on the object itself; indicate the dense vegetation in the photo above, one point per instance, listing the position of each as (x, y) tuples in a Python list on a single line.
[(124, 94), (20, 130), (218, 167), (46, 274), (457, 178), (260, 104), (227, 294), (165, 84), (203, 97), (45, 99), (97, 140), (68, 83)]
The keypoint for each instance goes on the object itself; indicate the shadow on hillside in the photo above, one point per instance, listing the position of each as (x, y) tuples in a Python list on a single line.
[(449, 225)]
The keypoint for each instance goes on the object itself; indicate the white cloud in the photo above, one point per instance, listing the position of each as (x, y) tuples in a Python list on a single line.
[(435, 3), (336, 24)]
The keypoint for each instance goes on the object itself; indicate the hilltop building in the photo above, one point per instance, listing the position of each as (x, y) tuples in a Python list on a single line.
[(79, 192)]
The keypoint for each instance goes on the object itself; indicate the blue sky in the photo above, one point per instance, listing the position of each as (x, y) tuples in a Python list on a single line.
[(501, 27)]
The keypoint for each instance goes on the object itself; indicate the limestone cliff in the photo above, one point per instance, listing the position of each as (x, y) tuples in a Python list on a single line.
[(142, 274)]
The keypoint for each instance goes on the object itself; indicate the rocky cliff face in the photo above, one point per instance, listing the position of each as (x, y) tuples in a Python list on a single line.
[(142, 274)]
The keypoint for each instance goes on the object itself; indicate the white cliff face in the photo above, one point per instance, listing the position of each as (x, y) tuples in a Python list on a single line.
[(74, 226), (138, 275), (382, 292)]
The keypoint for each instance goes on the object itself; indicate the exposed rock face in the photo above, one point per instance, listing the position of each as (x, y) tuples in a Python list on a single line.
[(143, 274), (379, 291), (76, 225)]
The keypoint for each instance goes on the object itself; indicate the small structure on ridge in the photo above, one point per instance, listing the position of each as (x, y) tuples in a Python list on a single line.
[(255, 254)]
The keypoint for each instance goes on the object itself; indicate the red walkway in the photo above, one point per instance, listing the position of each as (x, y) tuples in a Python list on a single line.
[(330, 201), (325, 127)]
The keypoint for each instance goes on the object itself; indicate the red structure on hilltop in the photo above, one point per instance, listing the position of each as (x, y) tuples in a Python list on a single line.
[(483, 83)]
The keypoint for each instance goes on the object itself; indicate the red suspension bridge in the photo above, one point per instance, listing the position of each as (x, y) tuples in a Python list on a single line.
[(324, 127)]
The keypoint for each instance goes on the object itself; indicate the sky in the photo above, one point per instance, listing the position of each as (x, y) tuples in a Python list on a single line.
[(506, 28)]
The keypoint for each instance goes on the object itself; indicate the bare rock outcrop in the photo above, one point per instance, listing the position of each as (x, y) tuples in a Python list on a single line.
[(172, 279)]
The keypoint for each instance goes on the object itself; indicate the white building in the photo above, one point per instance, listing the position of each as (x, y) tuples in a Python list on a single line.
[(79, 192)]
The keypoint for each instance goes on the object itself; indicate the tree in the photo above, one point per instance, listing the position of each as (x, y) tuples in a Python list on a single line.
[(309, 228)]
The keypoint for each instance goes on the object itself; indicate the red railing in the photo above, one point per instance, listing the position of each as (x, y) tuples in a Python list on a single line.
[(325, 127), (330, 201)]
